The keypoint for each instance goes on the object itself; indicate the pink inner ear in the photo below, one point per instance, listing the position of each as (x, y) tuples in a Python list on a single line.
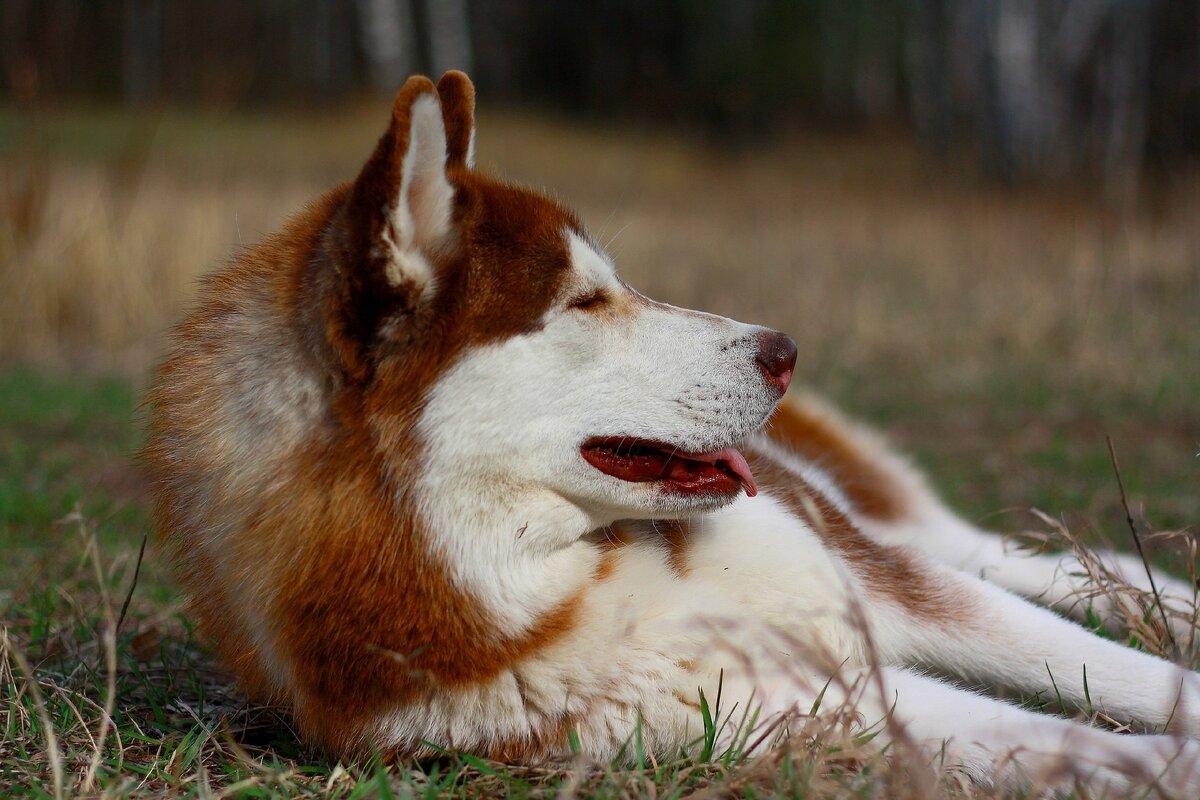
[(378, 183), (424, 190)]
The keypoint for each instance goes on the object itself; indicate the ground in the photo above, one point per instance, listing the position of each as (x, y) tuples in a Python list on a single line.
[(998, 335)]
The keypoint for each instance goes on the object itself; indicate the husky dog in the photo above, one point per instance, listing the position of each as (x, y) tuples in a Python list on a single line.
[(433, 474)]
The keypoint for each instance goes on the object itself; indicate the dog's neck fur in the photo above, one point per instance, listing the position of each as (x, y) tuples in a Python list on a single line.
[(516, 548)]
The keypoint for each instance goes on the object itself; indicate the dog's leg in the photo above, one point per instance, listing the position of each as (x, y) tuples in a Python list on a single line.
[(995, 741), (1057, 580), (1001, 639), (894, 504), (992, 741)]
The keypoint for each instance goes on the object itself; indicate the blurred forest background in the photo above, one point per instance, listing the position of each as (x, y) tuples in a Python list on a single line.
[(1037, 87), (979, 219)]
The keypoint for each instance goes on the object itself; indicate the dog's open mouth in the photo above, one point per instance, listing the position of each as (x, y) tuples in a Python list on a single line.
[(640, 461)]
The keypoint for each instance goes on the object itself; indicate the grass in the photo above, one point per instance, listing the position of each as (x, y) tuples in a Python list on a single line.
[(1000, 337), (99, 701)]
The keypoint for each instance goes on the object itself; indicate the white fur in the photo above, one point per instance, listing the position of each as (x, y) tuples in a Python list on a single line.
[(755, 601), (512, 464), (763, 606), (592, 270), (420, 212), (1055, 580)]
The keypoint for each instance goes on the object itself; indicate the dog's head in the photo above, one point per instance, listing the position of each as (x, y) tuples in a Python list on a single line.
[(483, 321)]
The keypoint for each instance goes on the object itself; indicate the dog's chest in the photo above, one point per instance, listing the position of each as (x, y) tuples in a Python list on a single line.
[(752, 566)]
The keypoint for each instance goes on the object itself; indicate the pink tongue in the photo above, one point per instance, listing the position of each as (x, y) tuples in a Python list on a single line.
[(736, 462)]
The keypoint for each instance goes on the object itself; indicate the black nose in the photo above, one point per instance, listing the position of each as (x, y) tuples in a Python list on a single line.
[(777, 358)]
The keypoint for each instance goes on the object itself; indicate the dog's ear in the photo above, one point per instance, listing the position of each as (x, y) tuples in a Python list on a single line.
[(402, 201), (458, 113), (396, 225)]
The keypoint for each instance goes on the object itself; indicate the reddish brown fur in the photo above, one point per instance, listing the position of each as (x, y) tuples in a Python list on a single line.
[(606, 566), (457, 96), (675, 534), (809, 434), (887, 570), (369, 625), (359, 608), (310, 524), (182, 452)]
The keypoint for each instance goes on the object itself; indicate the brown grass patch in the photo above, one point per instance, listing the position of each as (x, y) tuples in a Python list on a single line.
[(855, 244)]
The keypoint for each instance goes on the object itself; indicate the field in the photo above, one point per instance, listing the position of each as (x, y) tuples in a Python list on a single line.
[(999, 335)]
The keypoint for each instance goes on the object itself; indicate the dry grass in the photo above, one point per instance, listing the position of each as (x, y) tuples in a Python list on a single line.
[(856, 245), (103, 703)]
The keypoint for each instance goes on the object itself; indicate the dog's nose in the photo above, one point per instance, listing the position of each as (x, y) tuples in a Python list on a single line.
[(777, 358)]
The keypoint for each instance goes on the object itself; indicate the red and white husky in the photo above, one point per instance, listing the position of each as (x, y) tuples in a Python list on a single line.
[(433, 474)]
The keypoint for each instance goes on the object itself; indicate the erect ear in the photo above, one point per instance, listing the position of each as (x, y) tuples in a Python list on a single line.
[(402, 199), (458, 114)]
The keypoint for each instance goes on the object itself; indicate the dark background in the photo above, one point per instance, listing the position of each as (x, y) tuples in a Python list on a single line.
[(1036, 88)]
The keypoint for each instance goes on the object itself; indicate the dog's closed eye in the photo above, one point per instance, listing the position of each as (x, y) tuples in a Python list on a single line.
[(589, 301)]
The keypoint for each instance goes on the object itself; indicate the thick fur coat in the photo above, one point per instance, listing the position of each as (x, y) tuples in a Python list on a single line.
[(433, 474)]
